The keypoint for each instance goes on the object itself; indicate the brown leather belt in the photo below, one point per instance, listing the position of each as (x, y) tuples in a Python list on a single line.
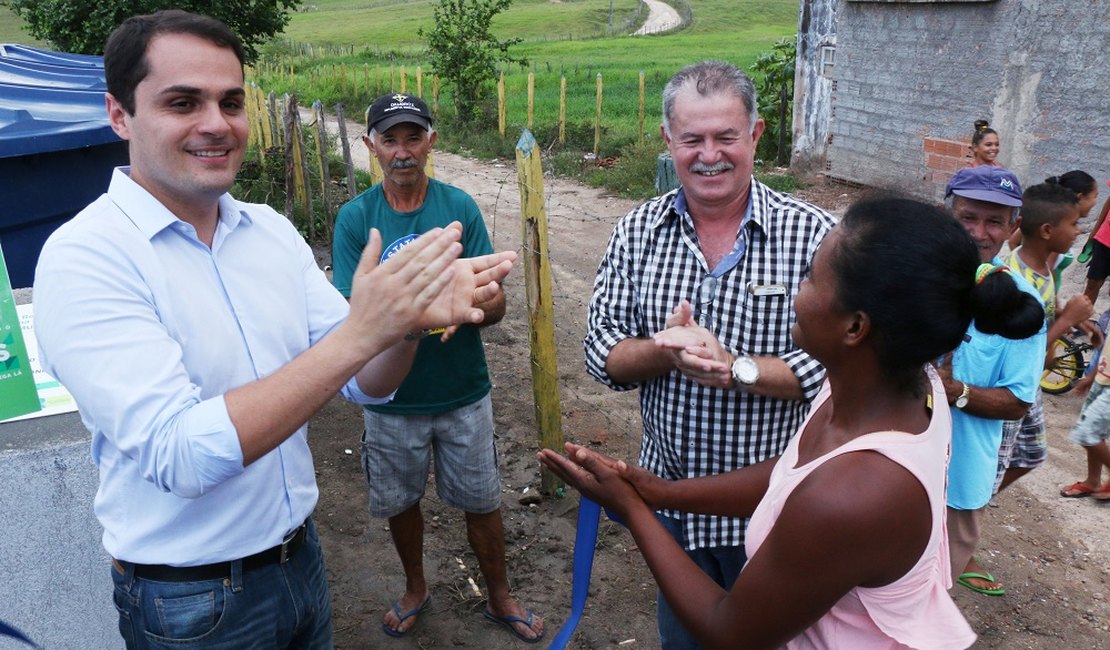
[(279, 554)]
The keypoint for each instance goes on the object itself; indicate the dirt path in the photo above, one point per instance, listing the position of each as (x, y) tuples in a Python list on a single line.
[(661, 17), (1052, 553)]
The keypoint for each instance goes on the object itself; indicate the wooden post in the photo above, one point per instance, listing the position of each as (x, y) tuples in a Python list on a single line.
[(501, 104), (254, 123), (641, 106), (273, 111), (322, 150), (531, 99), (419, 82), (376, 174), (392, 78), (264, 121), (345, 144), (377, 79), (562, 110), (541, 318), (290, 183), (435, 95), (296, 167), (597, 119), (404, 80), (366, 78)]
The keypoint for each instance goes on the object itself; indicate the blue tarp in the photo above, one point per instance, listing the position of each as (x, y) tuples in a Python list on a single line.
[(35, 55), (57, 149), (50, 101)]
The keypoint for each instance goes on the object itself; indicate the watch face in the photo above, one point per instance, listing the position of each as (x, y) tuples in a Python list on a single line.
[(961, 402), (745, 370)]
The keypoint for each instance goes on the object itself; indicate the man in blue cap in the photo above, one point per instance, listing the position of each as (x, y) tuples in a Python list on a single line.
[(989, 379)]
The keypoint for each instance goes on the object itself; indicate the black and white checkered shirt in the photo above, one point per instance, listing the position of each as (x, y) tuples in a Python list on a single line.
[(653, 262)]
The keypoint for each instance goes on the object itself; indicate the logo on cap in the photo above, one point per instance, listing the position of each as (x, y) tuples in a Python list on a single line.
[(399, 98), (1006, 184)]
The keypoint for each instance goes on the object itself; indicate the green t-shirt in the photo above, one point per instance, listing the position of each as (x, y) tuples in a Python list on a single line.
[(444, 376)]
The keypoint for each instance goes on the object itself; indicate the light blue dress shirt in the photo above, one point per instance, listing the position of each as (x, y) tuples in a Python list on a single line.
[(148, 328)]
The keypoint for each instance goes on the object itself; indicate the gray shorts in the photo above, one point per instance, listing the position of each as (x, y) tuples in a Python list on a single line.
[(1093, 426), (395, 458)]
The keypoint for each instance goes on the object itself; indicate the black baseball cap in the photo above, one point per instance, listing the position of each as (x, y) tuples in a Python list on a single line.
[(395, 108)]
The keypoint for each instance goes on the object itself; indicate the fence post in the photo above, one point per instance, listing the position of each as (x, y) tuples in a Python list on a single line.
[(322, 146), (419, 82), (641, 106), (541, 319), (597, 119), (352, 190), (254, 123), (404, 80), (501, 104), (275, 119), (392, 78), (562, 110), (296, 167), (435, 95), (531, 98)]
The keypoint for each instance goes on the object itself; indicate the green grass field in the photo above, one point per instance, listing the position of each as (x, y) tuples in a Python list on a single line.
[(568, 38), (391, 25), (11, 29), (374, 35)]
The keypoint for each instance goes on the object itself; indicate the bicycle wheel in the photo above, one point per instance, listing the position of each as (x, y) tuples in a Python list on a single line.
[(1066, 368)]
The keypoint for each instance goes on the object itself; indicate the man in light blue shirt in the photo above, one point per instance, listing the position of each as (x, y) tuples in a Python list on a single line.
[(988, 378), (198, 336)]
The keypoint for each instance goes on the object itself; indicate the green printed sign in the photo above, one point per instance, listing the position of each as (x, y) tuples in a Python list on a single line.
[(18, 394)]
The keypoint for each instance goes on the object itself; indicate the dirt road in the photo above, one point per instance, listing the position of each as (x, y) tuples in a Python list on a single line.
[(1052, 553)]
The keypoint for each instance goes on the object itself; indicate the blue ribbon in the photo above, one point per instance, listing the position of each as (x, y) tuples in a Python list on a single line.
[(7, 630), (585, 541)]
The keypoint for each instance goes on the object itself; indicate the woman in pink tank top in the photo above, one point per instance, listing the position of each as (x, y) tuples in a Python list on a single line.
[(847, 541)]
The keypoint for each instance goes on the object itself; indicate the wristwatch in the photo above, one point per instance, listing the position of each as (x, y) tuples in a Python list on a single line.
[(745, 370), (962, 400)]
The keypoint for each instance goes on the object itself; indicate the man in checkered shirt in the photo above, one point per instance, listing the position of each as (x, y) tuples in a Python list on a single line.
[(718, 263)]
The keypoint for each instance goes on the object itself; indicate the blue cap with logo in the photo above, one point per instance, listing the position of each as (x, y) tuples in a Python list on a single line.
[(986, 183)]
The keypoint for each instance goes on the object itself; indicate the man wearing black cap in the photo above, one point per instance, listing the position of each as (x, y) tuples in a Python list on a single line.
[(989, 379), (444, 403)]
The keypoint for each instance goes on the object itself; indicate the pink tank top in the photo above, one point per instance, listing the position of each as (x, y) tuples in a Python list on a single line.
[(914, 611)]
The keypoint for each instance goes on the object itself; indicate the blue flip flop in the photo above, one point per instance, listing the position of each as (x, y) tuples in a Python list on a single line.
[(507, 623), (404, 616)]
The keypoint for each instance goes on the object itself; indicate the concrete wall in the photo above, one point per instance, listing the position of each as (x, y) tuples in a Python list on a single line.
[(812, 90), (911, 78), (56, 588)]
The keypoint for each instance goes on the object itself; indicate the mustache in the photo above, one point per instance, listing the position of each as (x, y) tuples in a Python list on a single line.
[(702, 168), (403, 164)]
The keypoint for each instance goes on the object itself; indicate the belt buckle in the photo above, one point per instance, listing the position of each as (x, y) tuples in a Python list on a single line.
[(283, 557)]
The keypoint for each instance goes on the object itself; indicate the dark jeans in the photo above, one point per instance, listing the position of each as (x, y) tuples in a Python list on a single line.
[(722, 564), (274, 606)]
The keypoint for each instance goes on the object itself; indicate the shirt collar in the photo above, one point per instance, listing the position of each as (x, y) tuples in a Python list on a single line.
[(757, 207), (151, 217)]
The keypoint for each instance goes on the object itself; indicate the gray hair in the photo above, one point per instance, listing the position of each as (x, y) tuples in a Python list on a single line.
[(950, 203), (710, 78)]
